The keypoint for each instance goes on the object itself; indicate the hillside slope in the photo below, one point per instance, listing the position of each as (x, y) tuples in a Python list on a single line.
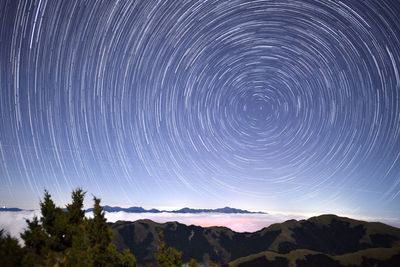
[(307, 258), (325, 234)]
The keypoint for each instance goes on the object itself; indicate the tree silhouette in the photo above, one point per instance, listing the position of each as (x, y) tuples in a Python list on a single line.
[(76, 214), (167, 257), (100, 236), (193, 263), (11, 253), (66, 238)]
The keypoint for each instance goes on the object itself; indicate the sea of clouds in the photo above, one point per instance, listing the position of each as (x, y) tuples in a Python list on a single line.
[(236, 222), (15, 222)]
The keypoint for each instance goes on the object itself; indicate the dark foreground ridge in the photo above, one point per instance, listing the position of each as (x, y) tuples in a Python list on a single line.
[(326, 240)]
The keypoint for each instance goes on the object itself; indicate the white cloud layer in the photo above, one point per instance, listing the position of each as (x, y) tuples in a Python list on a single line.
[(237, 222), (14, 222)]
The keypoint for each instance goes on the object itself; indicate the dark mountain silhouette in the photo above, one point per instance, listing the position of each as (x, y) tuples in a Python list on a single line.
[(318, 239), (130, 210), (219, 210), (184, 210), (226, 210), (10, 209)]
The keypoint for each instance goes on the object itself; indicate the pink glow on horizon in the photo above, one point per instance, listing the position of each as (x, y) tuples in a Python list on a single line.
[(236, 222)]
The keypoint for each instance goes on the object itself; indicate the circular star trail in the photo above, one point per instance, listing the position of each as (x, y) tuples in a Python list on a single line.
[(295, 101)]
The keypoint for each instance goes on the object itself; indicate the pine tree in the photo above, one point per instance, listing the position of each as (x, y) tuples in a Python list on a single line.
[(193, 263), (77, 240), (67, 238), (75, 236), (36, 242), (11, 253), (76, 214), (102, 250), (54, 223), (99, 234), (34, 237), (167, 257), (127, 259)]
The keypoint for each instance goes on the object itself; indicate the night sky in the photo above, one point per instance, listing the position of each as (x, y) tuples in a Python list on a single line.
[(278, 106)]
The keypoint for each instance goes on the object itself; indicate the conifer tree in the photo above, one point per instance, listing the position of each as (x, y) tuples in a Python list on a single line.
[(167, 257), (193, 263), (75, 236), (54, 223), (11, 253), (102, 250), (67, 238), (127, 259), (76, 214), (99, 234), (36, 242), (34, 237)]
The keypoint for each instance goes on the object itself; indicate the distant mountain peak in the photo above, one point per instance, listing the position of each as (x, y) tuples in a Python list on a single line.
[(226, 210), (4, 208), (107, 208)]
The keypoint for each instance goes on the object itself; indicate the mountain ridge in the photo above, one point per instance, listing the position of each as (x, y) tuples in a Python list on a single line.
[(12, 209), (327, 236), (135, 209), (225, 210)]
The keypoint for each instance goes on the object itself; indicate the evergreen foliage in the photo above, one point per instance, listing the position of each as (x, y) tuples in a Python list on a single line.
[(193, 263), (65, 238), (11, 253), (167, 257)]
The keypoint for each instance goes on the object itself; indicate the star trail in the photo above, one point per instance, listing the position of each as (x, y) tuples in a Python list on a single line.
[(263, 105)]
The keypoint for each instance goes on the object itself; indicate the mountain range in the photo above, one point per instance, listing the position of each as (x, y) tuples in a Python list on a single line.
[(326, 240), (10, 209), (225, 210)]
